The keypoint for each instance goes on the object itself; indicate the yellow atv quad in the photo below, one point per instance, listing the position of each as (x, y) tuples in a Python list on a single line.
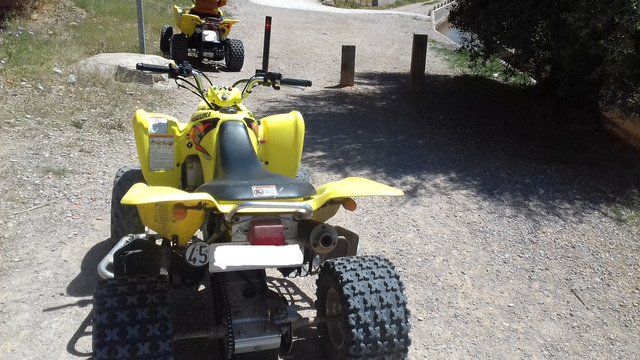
[(216, 203), (205, 37)]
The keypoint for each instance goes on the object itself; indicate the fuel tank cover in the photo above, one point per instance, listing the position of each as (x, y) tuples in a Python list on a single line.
[(228, 110)]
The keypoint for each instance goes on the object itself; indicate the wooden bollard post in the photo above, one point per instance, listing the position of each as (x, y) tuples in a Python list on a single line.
[(348, 66), (418, 61)]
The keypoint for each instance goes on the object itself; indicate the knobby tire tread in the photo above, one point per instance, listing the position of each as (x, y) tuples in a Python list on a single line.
[(125, 219), (303, 174), (234, 55), (374, 308), (131, 319), (179, 48), (165, 39)]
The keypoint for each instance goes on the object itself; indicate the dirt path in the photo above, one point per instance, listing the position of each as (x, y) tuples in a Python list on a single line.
[(507, 237)]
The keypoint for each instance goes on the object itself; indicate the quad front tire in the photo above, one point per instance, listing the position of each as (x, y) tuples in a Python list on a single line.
[(131, 319), (125, 219), (366, 296), (234, 54), (179, 48)]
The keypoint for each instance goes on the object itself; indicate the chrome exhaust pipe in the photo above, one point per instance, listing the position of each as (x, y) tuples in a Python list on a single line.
[(323, 238)]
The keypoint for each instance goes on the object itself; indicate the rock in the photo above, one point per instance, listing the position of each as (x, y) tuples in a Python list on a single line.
[(122, 67)]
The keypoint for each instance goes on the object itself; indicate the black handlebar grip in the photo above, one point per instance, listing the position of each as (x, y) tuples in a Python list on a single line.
[(295, 82), (154, 68)]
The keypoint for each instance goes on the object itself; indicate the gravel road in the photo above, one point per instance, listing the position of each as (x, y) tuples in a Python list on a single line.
[(516, 238)]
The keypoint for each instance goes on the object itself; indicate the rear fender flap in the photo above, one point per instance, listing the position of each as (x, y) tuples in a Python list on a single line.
[(329, 196), (186, 22), (170, 212), (225, 27)]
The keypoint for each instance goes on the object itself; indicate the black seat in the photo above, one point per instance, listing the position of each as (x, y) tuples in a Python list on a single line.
[(240, 175)]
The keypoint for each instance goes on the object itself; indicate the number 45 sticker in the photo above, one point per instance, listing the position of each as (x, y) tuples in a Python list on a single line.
[(198, 253)]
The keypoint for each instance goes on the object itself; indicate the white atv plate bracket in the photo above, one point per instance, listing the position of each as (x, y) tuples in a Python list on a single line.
[(243, 256)]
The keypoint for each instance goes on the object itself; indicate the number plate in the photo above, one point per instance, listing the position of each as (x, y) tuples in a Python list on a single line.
[(197, 254)]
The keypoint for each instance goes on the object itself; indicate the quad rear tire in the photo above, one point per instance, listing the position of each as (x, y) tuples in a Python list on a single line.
[(234, 54), (131, 319), (165, 39), (303, 174), (366, 294), (179, 48), (125, 219)]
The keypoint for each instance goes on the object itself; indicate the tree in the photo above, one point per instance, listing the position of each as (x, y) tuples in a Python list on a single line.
[(581, 52)]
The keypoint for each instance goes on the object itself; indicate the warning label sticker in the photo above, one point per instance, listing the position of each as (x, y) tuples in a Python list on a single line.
[(264, 191), (161, 152)]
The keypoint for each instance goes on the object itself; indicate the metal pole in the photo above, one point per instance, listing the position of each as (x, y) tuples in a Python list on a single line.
[(267, 43), (143, 49)]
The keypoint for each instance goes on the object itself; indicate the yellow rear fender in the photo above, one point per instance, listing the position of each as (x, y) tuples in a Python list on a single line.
[(351, 187), (329, 197), (186, 22), (172, 213), (226, 27), (177, 214)]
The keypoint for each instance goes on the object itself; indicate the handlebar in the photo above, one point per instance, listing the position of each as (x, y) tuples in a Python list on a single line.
[(154, 68), (171, 69), (276, 79), (295, 82), (272, 79), (181, 72)]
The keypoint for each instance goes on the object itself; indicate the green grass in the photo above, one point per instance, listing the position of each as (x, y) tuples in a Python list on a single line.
[(25, 52), (64, 32), (462, 61), (112, 26), (30, 50), (626, 211), (625, 215)]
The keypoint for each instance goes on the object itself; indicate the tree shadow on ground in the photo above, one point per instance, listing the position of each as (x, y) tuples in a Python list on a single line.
[(501, 141)]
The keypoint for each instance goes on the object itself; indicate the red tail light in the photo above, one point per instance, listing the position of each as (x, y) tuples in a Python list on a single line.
[(266, 232)]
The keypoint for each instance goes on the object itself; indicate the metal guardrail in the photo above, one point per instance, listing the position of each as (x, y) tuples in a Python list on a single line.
[(364, 2), (372, 3), (440, 12)]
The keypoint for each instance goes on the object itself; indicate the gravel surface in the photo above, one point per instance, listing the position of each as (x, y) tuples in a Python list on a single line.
[(515, 239)]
